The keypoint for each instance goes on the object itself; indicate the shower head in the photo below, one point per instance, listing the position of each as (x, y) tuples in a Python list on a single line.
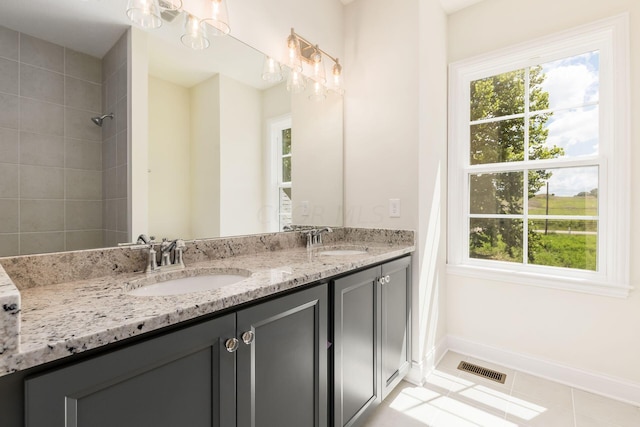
[(98, 119)]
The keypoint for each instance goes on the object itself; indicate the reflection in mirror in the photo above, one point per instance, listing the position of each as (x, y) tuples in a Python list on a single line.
[(213, 161), (230, 153)]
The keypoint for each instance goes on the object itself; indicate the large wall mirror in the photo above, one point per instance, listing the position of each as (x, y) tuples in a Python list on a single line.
[(192, 144)]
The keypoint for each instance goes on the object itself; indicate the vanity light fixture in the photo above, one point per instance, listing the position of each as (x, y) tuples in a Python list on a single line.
[(299, 50), (271, 70), (194, 36), (145, 13), (211, 18), (216, 17)]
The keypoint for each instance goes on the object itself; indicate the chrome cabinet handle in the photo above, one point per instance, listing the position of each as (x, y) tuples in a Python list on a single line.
[(387, 279), (381, 280), (231, 344), (248, 337)]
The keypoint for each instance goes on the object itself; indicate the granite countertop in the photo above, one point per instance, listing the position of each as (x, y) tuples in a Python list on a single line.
[(42, 323)]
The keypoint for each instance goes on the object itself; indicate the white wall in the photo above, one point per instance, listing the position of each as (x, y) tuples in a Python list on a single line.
[(592, 333), (205, 158), (169, 160), (395, 140), (316, 159), (240, 158)]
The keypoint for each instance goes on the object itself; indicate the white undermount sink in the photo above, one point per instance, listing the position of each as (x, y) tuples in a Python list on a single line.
[(343, 251), (187, 285)]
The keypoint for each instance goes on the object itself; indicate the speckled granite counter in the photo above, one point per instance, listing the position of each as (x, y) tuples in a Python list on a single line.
[(56, 305)]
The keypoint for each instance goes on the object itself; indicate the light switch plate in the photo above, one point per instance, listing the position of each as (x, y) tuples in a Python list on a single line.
[(394, 208), (304, 208)]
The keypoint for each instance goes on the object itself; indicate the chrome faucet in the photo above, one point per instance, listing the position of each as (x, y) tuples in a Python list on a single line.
[(314, 236), (167, 248)]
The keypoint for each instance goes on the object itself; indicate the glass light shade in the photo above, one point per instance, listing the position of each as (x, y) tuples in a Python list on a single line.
[(336, 78), (294, 59), (145, 13), (194, 36), (271, 70), (318, 92), (295, 82), (216, 17), (319, 74)]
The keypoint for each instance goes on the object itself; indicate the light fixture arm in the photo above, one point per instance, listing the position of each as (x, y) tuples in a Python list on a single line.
[(299, 37)]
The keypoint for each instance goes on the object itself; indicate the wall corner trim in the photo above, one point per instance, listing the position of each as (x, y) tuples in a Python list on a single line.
[(420, 370)]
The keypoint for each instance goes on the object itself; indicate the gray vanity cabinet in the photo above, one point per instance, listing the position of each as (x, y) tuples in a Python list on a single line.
[(282, 372), (371, 341), (395, 323), (262, 366), (356, 346), (184, 378)]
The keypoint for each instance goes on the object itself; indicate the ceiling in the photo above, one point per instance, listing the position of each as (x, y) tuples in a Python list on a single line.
[(449, 6)]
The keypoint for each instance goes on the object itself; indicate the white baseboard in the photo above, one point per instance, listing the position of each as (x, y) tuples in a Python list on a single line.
[(421, 369), (615, 388)]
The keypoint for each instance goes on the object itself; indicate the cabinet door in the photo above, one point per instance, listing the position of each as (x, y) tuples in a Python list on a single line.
[(356, 346), (172, 380), (282, 374), (396, 321)]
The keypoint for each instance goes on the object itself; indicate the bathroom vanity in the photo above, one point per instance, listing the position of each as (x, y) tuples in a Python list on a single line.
[(312, 337)]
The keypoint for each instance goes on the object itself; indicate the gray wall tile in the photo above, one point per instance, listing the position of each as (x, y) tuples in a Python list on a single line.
[(110, 214), (41, 53), (8, 43), (9, 72), (121, 114), (83, 185), (122, 224), (9, 244), (122, 82), (78, 125), (110, 184), (41, 117), (9, 145), (83, 66), (110, 238), (109, 126), (109, 153), (112, 92), (9, 216), (41, 182), (82, 95), (9, 180), (9, 111), (41, 150), (39, 243), (122, 237), (121, 181), (81, 154), (122, 148), (41, 215), (83, 215), (77, 240), (41, 84)]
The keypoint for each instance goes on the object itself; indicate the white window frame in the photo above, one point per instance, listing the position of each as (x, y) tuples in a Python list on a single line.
[(611, 37), (276, 126)]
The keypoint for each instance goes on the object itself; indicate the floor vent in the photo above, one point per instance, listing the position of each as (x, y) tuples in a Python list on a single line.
[(483, 372)]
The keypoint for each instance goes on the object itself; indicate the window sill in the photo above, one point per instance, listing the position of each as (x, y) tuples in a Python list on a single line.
[(541, 280)]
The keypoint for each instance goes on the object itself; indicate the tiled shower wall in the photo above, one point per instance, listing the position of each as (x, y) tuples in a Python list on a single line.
[(115, 143), (50, 152)]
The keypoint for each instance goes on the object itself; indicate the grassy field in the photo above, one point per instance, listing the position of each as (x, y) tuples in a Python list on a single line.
[(567, 250), (564, 205)]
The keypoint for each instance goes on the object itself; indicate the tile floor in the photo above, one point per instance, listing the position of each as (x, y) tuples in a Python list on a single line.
[(452, 398)]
